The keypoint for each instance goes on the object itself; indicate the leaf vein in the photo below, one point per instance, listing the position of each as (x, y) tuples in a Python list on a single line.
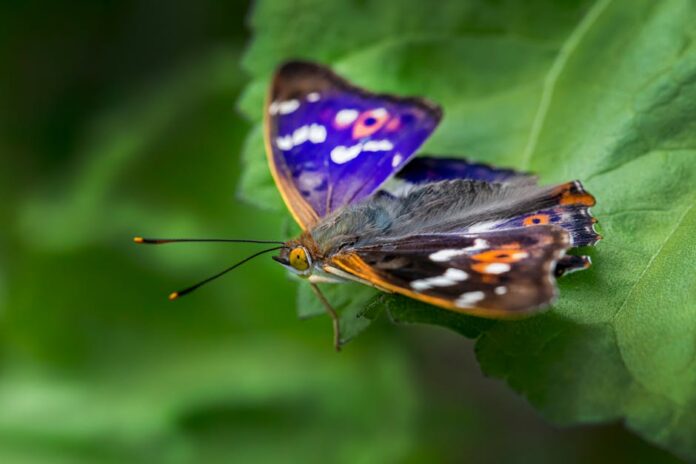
[(652, 259), (557, 67)]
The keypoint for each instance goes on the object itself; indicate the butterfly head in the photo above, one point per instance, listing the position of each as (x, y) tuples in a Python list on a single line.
[(296, 258)]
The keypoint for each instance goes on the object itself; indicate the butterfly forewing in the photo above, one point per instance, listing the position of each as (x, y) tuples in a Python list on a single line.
[(494, 274), (330, 143)]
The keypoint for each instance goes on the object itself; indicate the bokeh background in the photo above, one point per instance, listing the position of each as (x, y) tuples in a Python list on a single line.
[(120, 118)]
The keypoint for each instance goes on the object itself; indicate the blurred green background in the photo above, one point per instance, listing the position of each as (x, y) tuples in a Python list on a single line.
[(119, 118)]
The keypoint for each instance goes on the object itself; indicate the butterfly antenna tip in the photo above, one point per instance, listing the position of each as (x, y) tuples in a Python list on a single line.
[(173, 296), (138, 239)]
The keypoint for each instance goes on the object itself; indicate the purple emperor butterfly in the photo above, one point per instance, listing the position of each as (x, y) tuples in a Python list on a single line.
[(463, 236)]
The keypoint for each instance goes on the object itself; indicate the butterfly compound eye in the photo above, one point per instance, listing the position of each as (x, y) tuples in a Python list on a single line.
[(298, 259)]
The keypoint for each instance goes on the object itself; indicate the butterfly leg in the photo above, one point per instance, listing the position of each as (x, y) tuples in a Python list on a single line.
[(332, 313)]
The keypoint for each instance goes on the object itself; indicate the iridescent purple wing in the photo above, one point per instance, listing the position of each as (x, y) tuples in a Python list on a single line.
[(429, 169), (330, 143)]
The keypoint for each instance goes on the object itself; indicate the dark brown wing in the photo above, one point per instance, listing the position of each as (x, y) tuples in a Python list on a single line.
[(491, 274)]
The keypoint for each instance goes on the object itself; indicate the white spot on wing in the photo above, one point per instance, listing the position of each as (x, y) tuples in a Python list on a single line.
[(379, 113), (497, 268), (313, 97), (456, 274), (301, 135), (317, 133), (396, 160), (446, 254), (449, 253), (310, 180), (285, 143), (342, 154), (450, 277), (500, 290), (421, 284), (288, 106), (273, 108), (346, 117), (378, 145), (479, 244), (519, 254), (466, 300)]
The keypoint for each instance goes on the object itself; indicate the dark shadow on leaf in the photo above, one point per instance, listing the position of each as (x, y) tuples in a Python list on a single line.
[(406, 310)]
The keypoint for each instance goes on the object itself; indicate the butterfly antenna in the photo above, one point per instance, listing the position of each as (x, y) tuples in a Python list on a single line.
[(175, 295), (162, 241)]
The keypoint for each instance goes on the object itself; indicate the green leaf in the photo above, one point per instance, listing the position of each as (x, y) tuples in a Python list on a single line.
[(405, 310), (350, 300), (182, 405), (604, 92)]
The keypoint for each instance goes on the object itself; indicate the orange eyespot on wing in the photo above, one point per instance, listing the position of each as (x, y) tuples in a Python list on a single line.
[(501, 255), (566, 205), (536, 220), (370, 122)]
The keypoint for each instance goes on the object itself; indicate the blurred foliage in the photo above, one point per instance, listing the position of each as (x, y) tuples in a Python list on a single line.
[(119, 118)]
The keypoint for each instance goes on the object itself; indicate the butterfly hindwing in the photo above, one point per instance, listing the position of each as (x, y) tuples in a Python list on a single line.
[(425, 169), (330, 143), (566, 205), (493, 274), (508, 206), (515, 200)]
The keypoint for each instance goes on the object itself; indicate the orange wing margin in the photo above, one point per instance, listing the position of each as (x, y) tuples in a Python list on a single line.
[(301, 211)]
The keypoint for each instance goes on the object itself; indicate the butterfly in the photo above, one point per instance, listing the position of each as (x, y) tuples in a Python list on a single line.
[(460, 235)]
